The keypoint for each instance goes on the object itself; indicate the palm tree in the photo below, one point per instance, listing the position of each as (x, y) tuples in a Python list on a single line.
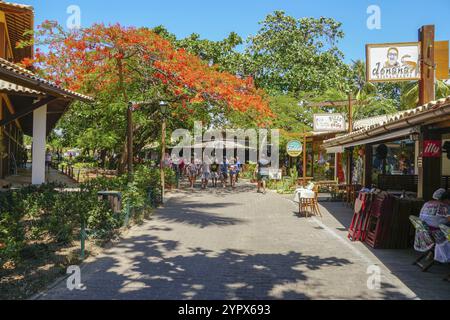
[(410, 93), (371, 102)]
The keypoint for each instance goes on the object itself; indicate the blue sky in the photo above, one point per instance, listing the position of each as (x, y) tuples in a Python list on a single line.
[(400, 19)]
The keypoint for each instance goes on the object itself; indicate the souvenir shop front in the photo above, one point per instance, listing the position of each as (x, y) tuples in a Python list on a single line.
[(405, 159)]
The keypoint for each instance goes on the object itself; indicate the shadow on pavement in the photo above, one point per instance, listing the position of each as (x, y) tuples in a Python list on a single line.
[(199, 274), (426, 285), (195, 213)]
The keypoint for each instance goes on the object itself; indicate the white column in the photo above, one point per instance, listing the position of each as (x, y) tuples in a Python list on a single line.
[(39, 145)]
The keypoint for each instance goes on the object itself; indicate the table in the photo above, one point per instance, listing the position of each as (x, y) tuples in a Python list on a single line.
[(303, 193), (307, 199)]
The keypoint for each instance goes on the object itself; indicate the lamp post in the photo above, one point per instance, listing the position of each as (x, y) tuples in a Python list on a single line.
[(164, 109)]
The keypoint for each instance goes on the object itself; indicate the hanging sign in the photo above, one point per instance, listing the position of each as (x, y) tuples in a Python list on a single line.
[(294, 148), (432, 149), (441, 56), (329, 122), (393, 62)]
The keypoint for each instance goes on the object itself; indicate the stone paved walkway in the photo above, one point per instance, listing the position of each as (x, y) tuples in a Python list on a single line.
[(223, 244)]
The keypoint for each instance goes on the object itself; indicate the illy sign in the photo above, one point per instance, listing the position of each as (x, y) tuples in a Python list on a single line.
[(432, 149)]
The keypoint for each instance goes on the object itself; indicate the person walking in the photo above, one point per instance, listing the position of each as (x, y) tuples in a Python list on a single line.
[(206, 172), (48, 159), (181, 168), (239, 168), (262, 174), (224, 172), (214, 173), (233, 173), (192, 172)]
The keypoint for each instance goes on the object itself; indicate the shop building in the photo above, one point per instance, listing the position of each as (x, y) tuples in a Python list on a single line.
[(29, 104), (407, 152)]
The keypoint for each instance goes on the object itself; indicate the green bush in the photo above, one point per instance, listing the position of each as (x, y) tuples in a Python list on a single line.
[(47, 213), (249, 170)]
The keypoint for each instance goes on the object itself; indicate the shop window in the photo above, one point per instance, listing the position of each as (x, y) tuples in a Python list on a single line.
[(394, 158), (324, 164)]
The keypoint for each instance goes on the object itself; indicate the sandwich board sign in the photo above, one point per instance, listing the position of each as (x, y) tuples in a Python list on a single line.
[(393, 62)]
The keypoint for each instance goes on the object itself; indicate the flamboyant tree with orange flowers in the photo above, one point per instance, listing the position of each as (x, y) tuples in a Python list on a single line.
[(93, 58), (112, 59)]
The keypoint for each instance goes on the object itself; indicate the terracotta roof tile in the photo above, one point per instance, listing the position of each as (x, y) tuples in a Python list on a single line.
[(6, 86), (17, 5), (46, 84), (393, 118)]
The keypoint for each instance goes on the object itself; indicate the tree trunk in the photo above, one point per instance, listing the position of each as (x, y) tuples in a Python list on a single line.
[(122, 163), (103, 158)]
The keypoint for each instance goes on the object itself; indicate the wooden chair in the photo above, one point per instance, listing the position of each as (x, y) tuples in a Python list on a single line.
[(315, 202), (346, 195), (311, 204), (304, 205)]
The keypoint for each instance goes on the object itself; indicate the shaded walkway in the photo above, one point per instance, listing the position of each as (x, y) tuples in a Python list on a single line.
[(223, 244), (23, 178)]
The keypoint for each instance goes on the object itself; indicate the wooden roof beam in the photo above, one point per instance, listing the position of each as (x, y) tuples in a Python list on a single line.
[(11, 109), (16, 10), (340, 103), (26, 111)]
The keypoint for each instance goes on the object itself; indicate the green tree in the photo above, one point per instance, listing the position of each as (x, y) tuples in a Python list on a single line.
[(409, 97), (290, 55)]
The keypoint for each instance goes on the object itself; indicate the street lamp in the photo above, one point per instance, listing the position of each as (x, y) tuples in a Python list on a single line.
[(164, 108)]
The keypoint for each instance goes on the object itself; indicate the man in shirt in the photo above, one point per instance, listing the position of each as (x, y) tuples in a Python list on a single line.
[(48, 159), (214, 173), (224, 171), (206, 172), (181, 167), (262, 174), (239, 168), (192, 172), (233, 173)]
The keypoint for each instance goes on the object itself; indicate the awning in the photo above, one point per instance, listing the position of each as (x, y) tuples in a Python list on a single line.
[(396, 125), (338, 149), (384, 137)]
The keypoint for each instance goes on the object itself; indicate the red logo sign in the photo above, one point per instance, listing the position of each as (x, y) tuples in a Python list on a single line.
[(432, 149)]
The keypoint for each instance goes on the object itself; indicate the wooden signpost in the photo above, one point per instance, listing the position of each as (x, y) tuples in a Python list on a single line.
[(425, 61), (430, 171), (427, 65)]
